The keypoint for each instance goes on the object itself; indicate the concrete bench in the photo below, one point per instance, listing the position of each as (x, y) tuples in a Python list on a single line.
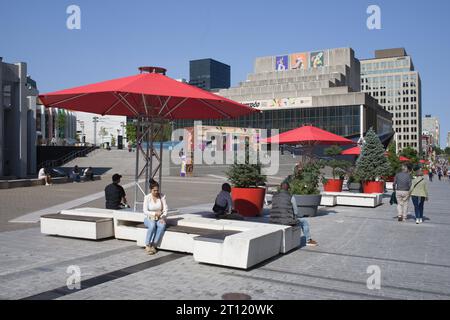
[(369, 200), (19, 183), (328, 200), (4, 184), (77, 226)]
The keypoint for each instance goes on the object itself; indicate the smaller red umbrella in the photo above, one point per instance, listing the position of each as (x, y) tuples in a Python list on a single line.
[(424, 161), (355, 151), (404, 159), (308, 135)]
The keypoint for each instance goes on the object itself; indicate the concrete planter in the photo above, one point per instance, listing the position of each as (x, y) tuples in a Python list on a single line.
[(308, 204)]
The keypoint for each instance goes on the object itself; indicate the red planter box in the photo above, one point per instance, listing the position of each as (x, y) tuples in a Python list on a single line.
[(248, 202), (373, 186), (333, 185)]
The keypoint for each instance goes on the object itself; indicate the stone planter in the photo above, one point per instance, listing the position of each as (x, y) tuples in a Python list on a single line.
[(308, 204)]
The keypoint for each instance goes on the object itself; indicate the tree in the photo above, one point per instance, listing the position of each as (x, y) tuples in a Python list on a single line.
[(338, 167), (103, 133), (447, 151), (61, 121), (411, 154), (394, 160), (131, 132), (372, 164), (113, 141), (437, 150)]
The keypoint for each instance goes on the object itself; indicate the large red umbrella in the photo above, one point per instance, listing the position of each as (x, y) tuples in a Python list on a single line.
[(308, 135), (152, 95)]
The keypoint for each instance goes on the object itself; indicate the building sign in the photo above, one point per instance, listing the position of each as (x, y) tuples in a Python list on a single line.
[(316, 59), (282, 103), (299, 61), (282, 63)]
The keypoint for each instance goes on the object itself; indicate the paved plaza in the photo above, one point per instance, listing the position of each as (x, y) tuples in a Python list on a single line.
[(414, 260)]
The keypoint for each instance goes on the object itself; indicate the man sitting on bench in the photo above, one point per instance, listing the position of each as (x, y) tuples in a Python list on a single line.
[(115, 195), (284, 211), (223, 206)]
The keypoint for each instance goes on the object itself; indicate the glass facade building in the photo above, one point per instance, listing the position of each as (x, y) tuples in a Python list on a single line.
[(209, 74)]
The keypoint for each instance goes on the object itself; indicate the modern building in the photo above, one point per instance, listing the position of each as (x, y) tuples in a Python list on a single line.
[(427, 144), (209, 74), (431, 125), (55, 126), (390, 78), (321, 88), (94, 129), (18, 94), (448, 139)]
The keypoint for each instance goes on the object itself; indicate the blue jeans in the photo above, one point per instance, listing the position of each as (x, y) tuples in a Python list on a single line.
[(154, 232), (418, 206), (304, 224)]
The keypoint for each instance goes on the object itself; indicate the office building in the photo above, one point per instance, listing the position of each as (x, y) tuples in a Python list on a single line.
[(18, 94), (321, 88), (55, 126), (209, 74), (431, 125), (391, 79)]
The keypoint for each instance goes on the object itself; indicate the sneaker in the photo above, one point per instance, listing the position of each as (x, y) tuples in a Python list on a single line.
[(47, 184), (404, 219), (420, 220), (147, 249), (417, 221), (153, 250), (400, 218), (311, 243)]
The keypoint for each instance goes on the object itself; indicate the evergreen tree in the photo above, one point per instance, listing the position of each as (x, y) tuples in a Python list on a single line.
[(372, 163)]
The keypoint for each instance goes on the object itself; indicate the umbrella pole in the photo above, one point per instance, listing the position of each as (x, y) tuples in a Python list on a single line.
[(152, 150), (148, 134), (136, 175), (160, 160)]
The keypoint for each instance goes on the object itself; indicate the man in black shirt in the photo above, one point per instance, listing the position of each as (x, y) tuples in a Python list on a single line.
[(115, 194)]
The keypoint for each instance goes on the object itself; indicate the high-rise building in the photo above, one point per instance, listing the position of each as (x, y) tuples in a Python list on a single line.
[(391, 79), (448, 139), (431, 124), (209, 74), (321, 88), (18, 95)]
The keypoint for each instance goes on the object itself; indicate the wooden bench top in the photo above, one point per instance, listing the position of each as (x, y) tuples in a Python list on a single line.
[(204, 233), (59, 216)]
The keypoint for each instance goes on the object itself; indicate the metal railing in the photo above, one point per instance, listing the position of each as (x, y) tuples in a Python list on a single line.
[(67, 158)]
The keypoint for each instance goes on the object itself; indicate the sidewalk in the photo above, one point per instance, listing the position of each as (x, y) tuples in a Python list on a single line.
[(414, 261)]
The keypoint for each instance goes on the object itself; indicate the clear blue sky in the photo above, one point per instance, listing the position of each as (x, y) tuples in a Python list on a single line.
[(118, 36)]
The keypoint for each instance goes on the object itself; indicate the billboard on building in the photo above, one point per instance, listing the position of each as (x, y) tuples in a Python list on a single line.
[(282, 63), (280, 103), (299, 61), (316, 59)]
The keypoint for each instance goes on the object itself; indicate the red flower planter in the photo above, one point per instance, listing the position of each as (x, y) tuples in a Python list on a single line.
[(248, 201), (333, 185), (373, 186)]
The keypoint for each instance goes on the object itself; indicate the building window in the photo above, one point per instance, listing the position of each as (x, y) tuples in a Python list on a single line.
[(7, 102)]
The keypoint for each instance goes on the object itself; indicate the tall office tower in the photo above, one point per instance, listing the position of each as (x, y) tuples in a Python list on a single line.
[(209, 74), (391, 79), (431, 124)]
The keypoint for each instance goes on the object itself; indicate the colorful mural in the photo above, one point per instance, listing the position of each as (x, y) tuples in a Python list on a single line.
[(316, 59), (299, 61), (282, 63)]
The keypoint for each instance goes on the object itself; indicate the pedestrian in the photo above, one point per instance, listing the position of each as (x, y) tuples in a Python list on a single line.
[(155, 210), (419, 194), (285, 211), (115, 194), (439, 174), (44, 175), (88, 174), (183, 165), (75, 174), (430, 175), (402, 185)]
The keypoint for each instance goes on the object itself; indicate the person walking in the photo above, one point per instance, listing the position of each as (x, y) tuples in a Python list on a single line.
[(419, 194), (430, 175), (439, 172), (402, 185)]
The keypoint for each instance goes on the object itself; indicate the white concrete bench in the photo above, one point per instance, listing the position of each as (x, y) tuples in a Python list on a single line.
[(84, 227), (370, 200), (328, 200)]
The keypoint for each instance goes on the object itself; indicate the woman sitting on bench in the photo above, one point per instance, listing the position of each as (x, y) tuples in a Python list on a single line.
[(155, 209)]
